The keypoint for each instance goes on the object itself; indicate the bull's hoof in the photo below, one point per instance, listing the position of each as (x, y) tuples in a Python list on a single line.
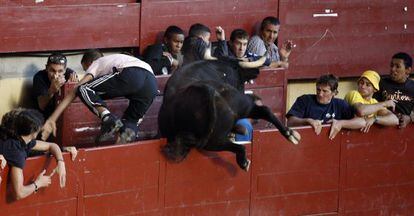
[(293, 136), (246, 165)]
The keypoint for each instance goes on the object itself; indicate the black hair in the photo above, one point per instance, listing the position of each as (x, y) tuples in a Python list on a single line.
[(172, 30), (20, 122), (269, 20), (91, 55), (239, 34), (408, 61), (330, 80), (198, 29)]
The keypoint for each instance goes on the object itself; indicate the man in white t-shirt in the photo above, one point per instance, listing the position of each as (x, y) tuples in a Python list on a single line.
[(112, 76)]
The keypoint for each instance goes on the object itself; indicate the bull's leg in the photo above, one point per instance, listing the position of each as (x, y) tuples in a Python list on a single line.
[(239, 150), (239, 129), (263, 112)]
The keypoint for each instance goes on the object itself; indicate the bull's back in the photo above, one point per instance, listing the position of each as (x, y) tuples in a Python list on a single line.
[(194, 72)]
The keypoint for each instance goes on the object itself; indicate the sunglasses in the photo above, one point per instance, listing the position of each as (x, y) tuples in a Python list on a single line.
[(56, 59)]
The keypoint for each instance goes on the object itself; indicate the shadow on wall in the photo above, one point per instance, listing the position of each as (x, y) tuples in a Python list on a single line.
[(25, 100)]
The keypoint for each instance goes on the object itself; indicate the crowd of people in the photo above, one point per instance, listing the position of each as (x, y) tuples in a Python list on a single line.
[(388, 101), (385, 101)]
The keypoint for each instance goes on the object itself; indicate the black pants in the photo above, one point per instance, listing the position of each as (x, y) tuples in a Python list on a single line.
[(136, 84)]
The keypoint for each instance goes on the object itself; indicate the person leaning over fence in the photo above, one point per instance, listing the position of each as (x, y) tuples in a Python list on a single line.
[(264, 43), (399, 87), (107, 77), (47, 83), (368, 107), (166, 57), (323, 108), (18, 131)]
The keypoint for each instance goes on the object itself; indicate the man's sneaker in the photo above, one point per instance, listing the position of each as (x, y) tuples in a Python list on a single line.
[(127, 136), (109, 125)]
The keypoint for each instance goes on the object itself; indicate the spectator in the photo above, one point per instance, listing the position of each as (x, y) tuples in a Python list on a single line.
[(368, 107), (166, 57), (18, 131), (47, 83), (236, 48), (197, 45), (399, 87), (322, 108), (264, 43), (116, 75)]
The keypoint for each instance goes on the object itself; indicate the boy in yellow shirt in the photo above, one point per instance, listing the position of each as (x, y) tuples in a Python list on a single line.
[(368, 107)]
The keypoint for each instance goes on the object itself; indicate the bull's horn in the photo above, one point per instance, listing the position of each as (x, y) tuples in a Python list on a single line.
[(253, 64)]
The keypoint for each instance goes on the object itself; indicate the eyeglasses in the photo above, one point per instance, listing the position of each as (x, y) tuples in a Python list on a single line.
[(56, 59)]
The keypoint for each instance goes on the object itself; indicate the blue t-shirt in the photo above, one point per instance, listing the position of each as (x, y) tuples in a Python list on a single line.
[(16, 151), (306, 106)]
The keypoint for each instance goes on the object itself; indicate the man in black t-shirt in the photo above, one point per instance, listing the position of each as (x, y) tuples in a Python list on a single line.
[(399, 87), (166, 57), (47, 83)]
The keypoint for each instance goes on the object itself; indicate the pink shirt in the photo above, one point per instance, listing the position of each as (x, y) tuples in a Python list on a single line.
[(105, 65)]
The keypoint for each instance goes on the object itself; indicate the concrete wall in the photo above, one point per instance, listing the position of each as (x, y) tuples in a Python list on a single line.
[(16, 75)]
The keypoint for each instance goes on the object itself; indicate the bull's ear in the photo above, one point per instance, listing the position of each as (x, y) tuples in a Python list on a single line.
[(250, 73)]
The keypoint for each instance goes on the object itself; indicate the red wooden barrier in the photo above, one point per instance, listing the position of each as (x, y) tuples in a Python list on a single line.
[(68, 25), (345, 38), (354, 174), (78, 126)]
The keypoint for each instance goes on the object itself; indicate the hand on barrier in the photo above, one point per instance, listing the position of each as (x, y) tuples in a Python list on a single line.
[(72, 150), (3, 162), (43, 180), (368, 124), (404, 120), (316, 124), (336, 126)]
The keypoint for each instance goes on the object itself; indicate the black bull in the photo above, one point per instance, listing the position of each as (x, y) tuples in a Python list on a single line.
[(202, 102)]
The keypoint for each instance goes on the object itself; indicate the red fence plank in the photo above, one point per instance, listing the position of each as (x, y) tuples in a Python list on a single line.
[(299, 180), (362, 36), (318, 176), (69, 27), (9, 3), (125, 183)]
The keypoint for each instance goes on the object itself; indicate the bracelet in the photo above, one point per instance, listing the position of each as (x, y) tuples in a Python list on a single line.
[(36, 188), (57, 161)]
